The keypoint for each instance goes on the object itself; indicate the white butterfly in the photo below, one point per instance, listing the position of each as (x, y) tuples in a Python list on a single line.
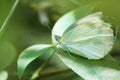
[(89, 37)]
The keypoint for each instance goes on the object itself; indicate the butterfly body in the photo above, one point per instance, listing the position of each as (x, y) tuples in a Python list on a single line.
[(59, 43)]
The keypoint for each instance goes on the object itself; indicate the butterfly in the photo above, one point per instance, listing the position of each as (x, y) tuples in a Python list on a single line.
[(89, 37)]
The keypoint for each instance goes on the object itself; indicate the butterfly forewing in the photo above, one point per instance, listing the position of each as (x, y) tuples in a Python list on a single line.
[(91, 37)]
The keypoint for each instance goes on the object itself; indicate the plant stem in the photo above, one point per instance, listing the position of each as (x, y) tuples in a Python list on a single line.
[(2, 29), (37, 72)]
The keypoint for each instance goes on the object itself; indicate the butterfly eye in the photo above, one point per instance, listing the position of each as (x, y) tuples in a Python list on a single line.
[(57, 38)]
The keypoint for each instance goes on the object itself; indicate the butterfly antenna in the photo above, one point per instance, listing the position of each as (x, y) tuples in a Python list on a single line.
[(46, 25), (44, 19)]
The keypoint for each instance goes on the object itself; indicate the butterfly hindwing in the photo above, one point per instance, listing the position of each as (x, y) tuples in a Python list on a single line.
[(89, 37)]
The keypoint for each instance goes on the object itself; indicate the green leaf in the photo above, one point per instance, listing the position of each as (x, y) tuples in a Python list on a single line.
[(104, 69), (68, 19), (7, 54), (30, 54)]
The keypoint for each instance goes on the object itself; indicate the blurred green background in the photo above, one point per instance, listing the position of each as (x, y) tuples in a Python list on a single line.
[(30, 25)]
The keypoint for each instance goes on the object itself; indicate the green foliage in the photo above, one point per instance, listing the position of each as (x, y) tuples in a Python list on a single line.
[(27, 27), (94, 69), (104, 69), (6, 48), (30, 54)]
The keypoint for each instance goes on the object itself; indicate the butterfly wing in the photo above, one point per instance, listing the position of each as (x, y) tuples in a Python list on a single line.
[(90, 37)]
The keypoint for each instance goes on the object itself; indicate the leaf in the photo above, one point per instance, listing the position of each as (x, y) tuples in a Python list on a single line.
[(3, 75), (104, 69), (30, 54), (7, 54), (64, 22)]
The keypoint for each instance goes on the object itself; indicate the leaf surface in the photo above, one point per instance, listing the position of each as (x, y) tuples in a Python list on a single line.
[(104, 69), (30, 54)]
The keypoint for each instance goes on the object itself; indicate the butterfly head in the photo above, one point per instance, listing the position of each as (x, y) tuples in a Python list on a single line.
[(57, 39)]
